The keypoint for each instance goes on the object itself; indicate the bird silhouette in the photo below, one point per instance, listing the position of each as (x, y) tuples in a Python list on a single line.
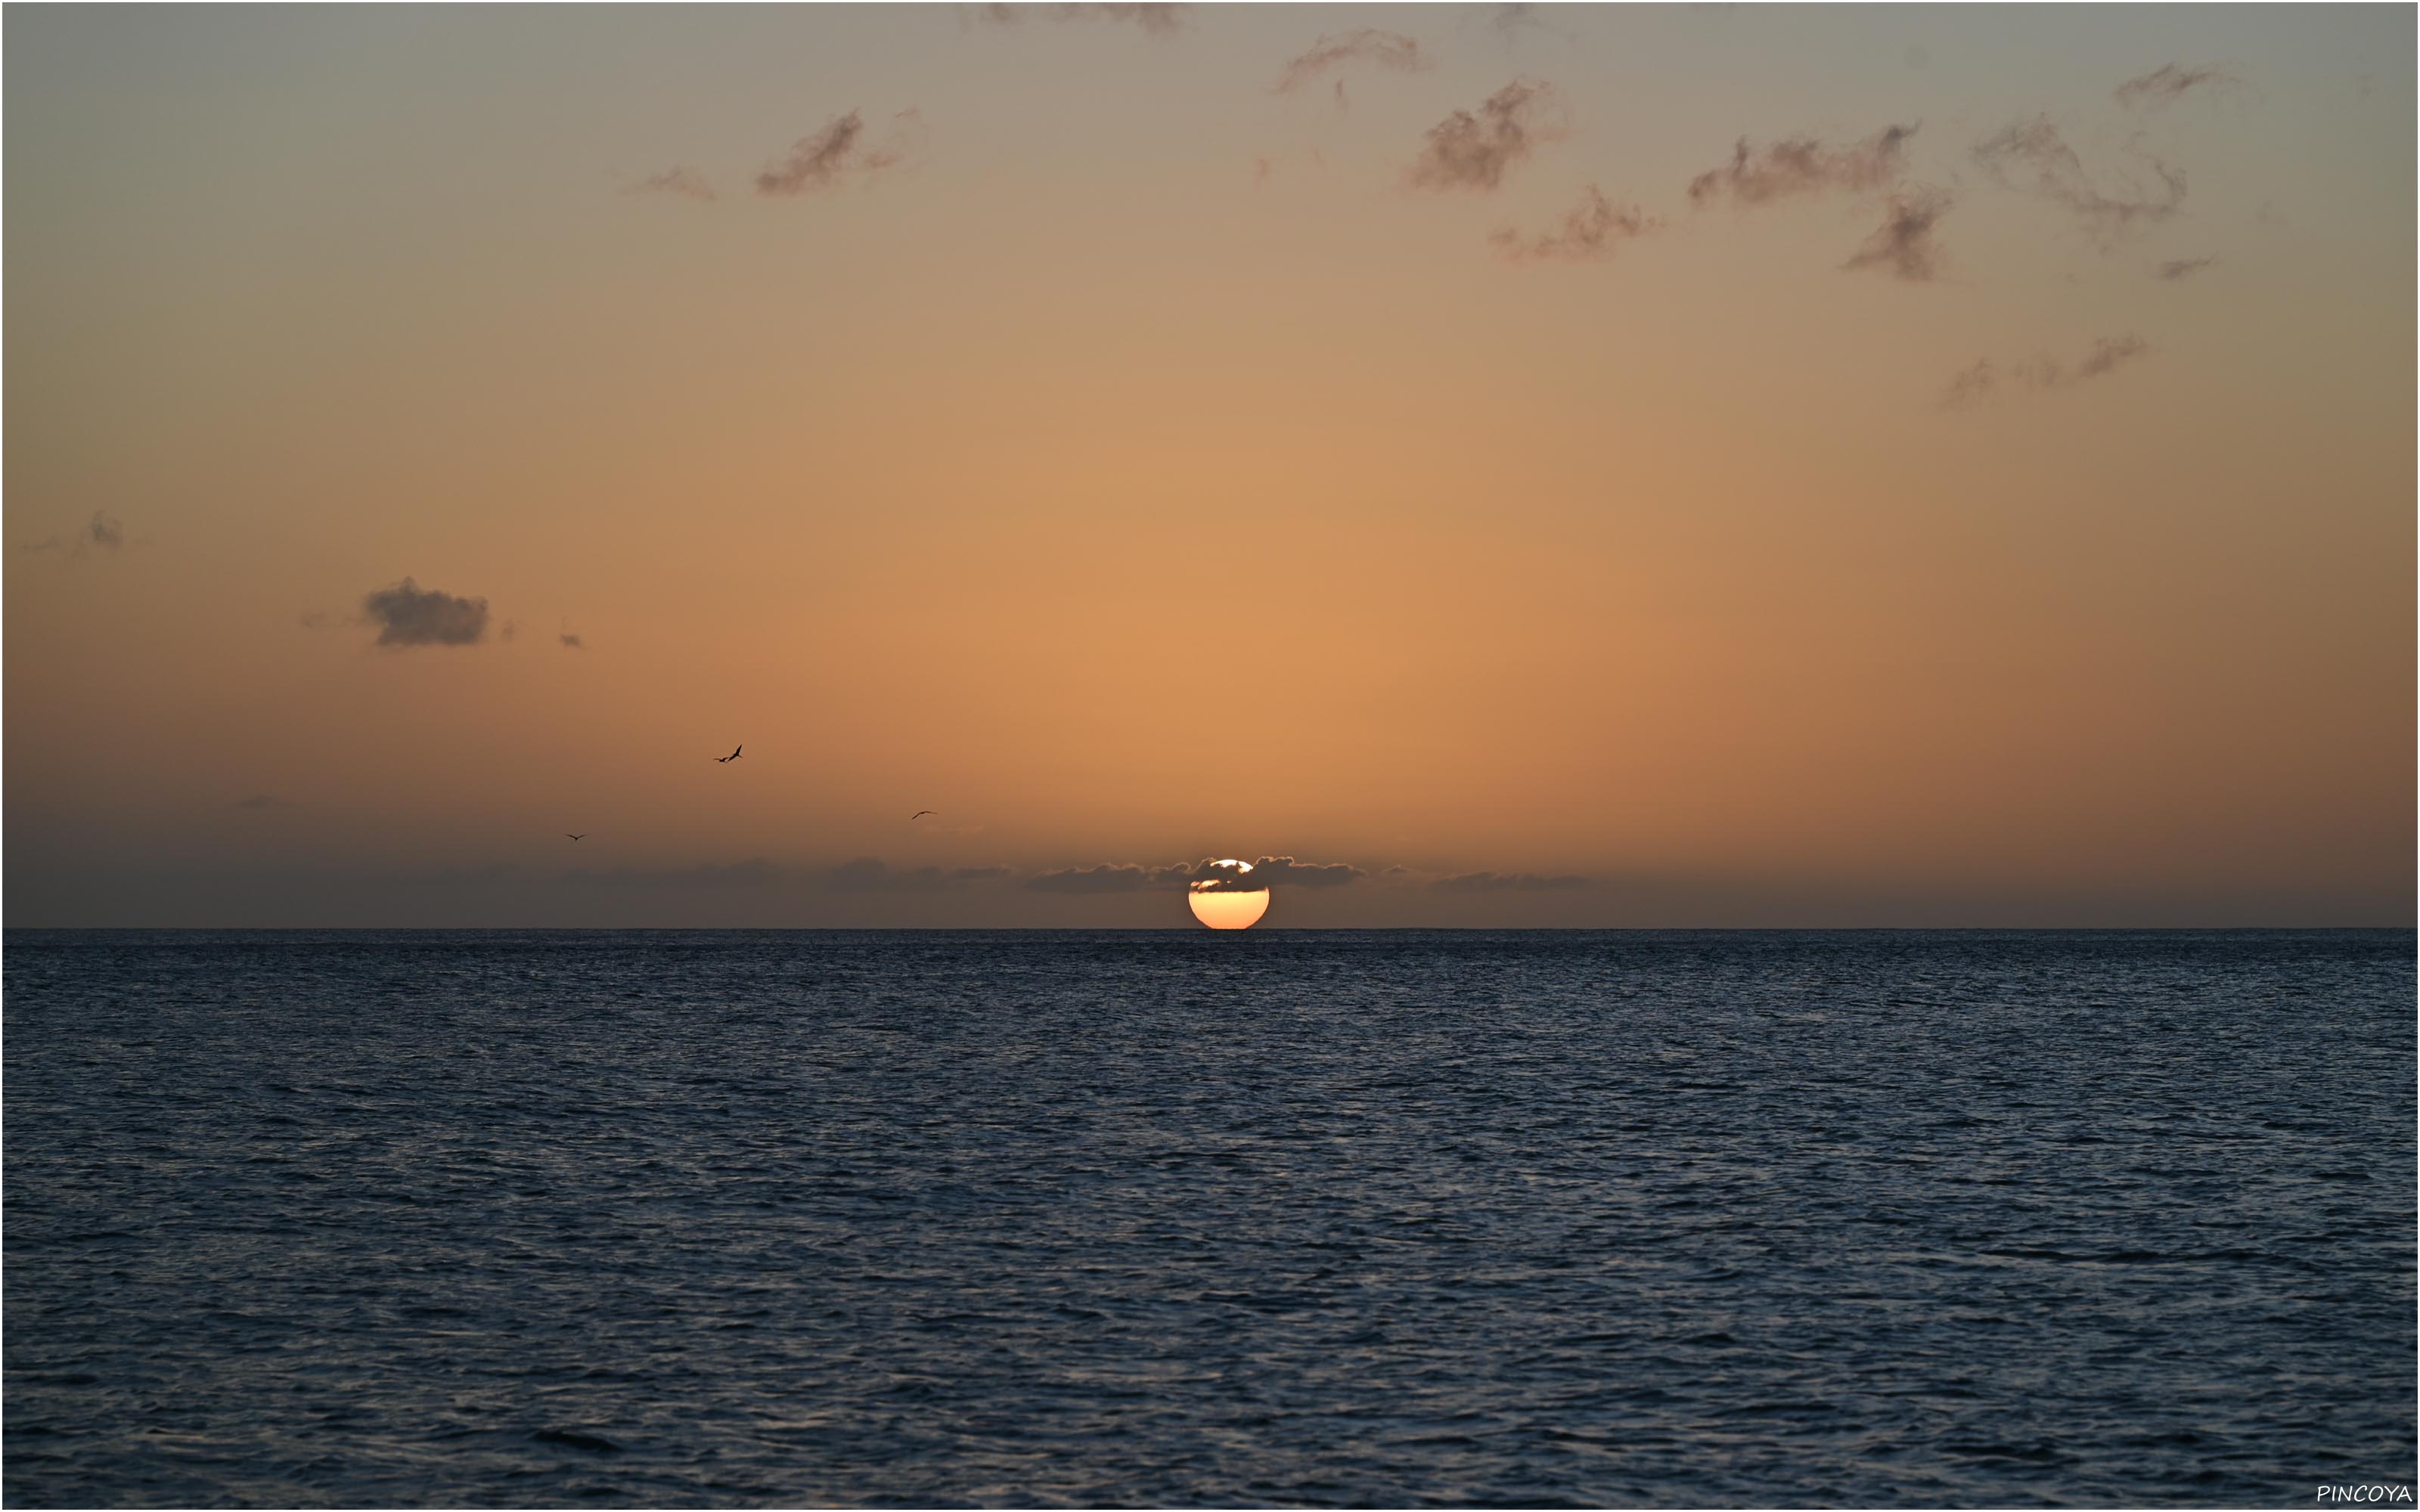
[(918, 814), (567, 835), (732, 757)]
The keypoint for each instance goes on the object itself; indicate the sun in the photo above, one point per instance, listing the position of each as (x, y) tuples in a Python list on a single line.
[(1223, 908)]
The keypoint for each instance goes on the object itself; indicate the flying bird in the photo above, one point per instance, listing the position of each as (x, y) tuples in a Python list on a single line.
[(732, 757), (918, 814), (567, 835)]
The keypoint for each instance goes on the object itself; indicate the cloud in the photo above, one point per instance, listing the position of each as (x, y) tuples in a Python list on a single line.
[(2181, 268), (870, 873), (1205, 876), (1902, 245), (1157, 20), (104, 532), (1389, 50), (1508, 882), (676, 180), (1109, 876), (2166, 83), (2032, 158), (2042, 374), (754, 873), (1803, 165), (1590, 230), (408, 615), (823, 160), (316, 619), (1473, 151), (570, 641)]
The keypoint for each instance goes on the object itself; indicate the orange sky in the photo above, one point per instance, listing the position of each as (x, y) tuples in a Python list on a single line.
[(1136, 462)]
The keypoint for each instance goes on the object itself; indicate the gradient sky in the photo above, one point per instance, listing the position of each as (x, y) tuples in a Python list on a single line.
[(2005, 521)]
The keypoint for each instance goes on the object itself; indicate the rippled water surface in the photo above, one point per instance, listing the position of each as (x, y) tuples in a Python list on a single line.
[(310, 1218)]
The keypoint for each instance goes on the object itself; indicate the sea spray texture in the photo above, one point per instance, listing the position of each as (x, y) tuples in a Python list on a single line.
[(497, 1218)]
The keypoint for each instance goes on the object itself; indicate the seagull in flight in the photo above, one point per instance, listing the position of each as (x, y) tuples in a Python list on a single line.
[(918, 814), (732, 757), (567, 835)]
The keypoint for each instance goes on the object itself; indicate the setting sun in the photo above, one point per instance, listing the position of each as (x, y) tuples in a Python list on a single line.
[(1220, 905)]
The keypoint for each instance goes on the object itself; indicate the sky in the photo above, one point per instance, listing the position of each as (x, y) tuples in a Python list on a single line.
[(1509, 465)]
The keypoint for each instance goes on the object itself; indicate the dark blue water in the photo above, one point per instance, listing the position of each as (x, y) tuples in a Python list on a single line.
[(311, 1218)]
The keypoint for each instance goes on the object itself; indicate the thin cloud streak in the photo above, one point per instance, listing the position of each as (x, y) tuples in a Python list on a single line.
[(1156, 20), (1590, 231), (2168, 83), (823, 160), (2181, 268), (679, 181), (2042, 374), (1803, 165), (1387, 50)]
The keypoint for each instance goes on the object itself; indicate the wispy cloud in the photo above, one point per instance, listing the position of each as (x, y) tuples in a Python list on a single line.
[(409, 615), (1508, 882), (871, 874), (102, 532), (1157, 20), (1207, 876), (1387, 49), (2042, 374), (2031, 157), (1902, 246), (1109, 876), (752, 873), (1803, 165), (1589, 230), (841, 149), (683, 182), (2181, 268), (570, 641), (1474, 149), (2168, 83)]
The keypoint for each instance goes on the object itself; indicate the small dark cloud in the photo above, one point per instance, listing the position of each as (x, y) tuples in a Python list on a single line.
[(2042, 374), (1803, 165), (261, 800), (2181, 268), (1109, 876), (1589, 230), (1902, 245), (1156, 20), (1508, 882), (570, 641), (870, 873), (684, 182), (1398, 870), (104, 532), (408, 615), (840, 148), (1387, 49), (316, 619), (1474, 149), (2167, 83), (2032, 158)]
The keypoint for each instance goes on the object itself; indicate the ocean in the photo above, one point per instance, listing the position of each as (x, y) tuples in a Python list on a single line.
[(696, 1218)]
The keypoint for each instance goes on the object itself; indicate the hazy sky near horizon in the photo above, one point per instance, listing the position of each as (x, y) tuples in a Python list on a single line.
[(1562, 465)]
